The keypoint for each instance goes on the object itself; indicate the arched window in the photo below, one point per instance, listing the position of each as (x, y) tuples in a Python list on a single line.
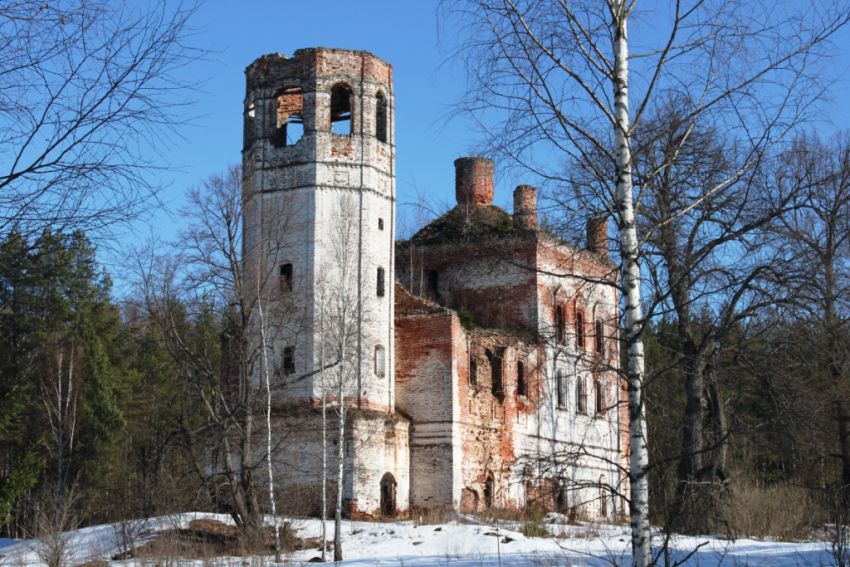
[(603, 497), (388, 495), (288, 360), (289, 123), (521, 389), (560, 388), (581, 396), (579, 329), (285, 281), (381, 117), (560, 324), (600, 337), (380, 361), (600, 397), (250, 116), (380, 284), (495, 359), (341, 107)]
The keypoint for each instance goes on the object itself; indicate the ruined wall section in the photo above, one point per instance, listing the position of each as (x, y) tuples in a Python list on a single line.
[(493, 281), (497, 417), (597, 436), (426, 392), (375, 445)]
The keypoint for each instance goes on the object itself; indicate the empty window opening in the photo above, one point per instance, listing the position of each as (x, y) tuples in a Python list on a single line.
[(603, 497), (388, 495), (495, 360), (581, 396), (560, 324), (250, 115), (381, 117), (341, 103), (559, 388), (289, 125), (561, 500), (380, 224), (473, 370), (433, 284), (520, 379), (600, 338), (288, 360), (285, 282), (380, 361), (381, 282), (600, 397), (579, 329), (489, 490)]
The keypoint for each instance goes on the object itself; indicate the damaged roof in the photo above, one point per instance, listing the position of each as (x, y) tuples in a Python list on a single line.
[(467, 223)]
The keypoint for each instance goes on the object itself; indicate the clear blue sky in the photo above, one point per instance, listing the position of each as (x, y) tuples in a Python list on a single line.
[(405, 33)]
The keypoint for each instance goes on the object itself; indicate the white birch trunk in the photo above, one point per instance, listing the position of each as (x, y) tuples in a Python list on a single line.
[(324, 435), (633, 320), (339, 474), (264, 346)]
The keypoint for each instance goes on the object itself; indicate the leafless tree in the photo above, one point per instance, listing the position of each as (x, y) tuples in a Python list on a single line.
[(206, 276), (563, 83), (339, 297), (816, 238), (89, 92)]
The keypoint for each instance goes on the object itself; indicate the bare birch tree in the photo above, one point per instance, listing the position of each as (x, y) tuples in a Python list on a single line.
[(339, 297), (207, 278), (88, 91), (555, 84)]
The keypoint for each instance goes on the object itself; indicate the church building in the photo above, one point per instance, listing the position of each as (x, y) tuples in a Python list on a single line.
[(476, 362)]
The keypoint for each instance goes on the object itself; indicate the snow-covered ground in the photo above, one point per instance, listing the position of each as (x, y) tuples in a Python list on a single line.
[(370, 544)]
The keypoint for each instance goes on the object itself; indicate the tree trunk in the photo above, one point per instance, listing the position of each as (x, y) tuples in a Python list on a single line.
[(691, 460), (339, 480), (324, 437), (633, 319), (270, 468)]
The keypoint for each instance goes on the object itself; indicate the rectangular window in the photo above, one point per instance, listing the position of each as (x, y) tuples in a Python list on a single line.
[(288, 360), (600, 345), (380, 224), (285, 283), (381, 284), (473, 370)]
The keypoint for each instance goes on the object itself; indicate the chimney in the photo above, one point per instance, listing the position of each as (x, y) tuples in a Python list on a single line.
[(597, 235), (474, 180), (525, 207)]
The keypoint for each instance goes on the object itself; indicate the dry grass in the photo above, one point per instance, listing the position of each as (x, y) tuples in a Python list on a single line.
[(780, 511), (206, 540), (431, 516)]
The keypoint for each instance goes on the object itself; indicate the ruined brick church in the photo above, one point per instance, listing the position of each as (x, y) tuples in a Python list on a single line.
[(481, 353)]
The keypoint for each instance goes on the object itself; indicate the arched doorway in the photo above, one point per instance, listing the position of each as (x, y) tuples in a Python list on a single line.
[(388, 488), (489, 490), (468, 501)]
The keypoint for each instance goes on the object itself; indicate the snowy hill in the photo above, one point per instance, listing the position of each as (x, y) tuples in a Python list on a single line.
[(370, 544)]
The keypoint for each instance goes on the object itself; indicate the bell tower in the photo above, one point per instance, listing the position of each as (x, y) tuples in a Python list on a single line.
[(318, 164)]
